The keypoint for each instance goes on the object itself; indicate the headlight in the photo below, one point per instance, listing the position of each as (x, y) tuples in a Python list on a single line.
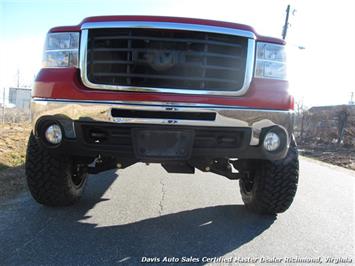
[(61, 50), (270, 61)]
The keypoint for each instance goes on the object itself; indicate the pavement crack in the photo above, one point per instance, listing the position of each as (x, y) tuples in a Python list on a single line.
[(33, 238), (163, 195)]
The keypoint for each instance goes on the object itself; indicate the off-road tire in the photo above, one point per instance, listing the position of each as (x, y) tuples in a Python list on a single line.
[(53, 181), (271, 186)]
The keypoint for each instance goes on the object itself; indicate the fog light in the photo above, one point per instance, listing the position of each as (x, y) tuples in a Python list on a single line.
[(271, 141), (53, 134)]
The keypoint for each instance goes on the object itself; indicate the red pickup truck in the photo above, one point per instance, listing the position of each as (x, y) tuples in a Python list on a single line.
[(185, 93)]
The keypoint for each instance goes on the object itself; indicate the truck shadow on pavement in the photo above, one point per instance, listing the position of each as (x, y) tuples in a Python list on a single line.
[(32, 234)]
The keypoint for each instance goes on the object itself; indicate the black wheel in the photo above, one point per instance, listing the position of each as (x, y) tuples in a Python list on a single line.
[(269, 187), (53, 181)]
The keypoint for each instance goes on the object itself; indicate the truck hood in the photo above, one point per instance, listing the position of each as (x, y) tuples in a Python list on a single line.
[(169, 19)]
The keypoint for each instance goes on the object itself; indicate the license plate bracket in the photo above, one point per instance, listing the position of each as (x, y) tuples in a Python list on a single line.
[(162, 144)]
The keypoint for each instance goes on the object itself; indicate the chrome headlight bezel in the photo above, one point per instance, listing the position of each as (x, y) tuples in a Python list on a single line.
[(270, 61), (61, 50)]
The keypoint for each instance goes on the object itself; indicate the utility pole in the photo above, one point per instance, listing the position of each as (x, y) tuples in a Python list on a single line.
[(18, 78), (3, 106), (352, 98), (285, 27)]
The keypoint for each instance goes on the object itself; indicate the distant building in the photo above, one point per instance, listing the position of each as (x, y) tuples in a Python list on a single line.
[(20, 97)]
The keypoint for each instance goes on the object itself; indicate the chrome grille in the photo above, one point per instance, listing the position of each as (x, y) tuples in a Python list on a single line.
[(163, 58)]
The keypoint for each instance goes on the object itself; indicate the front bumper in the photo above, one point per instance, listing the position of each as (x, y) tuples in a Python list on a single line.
[(214, 122)]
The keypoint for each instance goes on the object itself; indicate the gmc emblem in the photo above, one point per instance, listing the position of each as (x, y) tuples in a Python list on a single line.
[(159, 60)]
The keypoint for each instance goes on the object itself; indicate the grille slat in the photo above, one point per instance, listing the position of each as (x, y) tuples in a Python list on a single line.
[(186, 65), (166, 59), (167, 40), (160, 77), (129, 50)]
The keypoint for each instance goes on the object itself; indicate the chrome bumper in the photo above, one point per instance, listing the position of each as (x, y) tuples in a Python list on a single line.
[(226, 116)]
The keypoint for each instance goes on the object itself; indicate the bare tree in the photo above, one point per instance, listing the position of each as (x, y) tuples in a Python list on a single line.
[(342, 121), (300, 112)]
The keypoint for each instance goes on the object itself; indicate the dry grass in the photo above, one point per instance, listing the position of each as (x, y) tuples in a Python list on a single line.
[(13, 143), (343, 156)]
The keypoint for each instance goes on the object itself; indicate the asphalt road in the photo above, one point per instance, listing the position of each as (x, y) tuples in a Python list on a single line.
[(144, 212)]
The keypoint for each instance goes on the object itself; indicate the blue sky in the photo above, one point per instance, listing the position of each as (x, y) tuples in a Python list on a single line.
[(325, 28), (32, 17)]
